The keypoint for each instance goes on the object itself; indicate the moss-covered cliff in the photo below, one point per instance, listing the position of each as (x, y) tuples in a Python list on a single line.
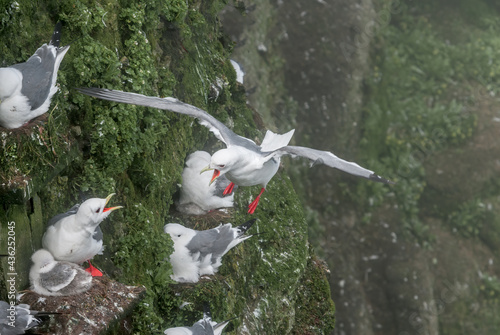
[(86, 148)]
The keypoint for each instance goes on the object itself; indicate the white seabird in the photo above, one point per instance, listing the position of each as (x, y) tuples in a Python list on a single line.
[(204, 326), (75, 236), (54, 278), (16, 319), (243, 162), (197, 253), (27, 88), (198, 195)]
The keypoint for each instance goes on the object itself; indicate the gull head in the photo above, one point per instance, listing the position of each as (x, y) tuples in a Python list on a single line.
[(221, 162), (42, 257), (179, 233), (93, 211)]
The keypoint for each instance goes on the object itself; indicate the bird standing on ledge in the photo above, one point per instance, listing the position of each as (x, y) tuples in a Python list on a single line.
[(27, 88)]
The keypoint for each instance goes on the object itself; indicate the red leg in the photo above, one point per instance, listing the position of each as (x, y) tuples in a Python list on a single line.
[(253, 205), (229, 189), (93, 271)]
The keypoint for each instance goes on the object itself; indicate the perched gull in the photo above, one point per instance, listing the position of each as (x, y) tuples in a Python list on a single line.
[(27, 88), (75, 236), (50, 277), (16, 320), (198, 253), (198, 196), (203, 327), (243, 162)]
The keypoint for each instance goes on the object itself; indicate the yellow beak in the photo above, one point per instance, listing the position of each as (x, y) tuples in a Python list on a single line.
[(110, 209), (208, 168)]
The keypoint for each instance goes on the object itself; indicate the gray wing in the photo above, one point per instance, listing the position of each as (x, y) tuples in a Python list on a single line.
[(37, 75), (220, 185), (55, 219), (97, 234), (202, 327), (329, 159), (222, 132), (59, 277), (213, 241)]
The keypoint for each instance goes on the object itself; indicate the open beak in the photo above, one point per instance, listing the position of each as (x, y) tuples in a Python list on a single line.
[(214, 176), (110, 209)]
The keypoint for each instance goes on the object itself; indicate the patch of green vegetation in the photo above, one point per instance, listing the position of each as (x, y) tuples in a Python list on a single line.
[(90, 148), (490, 288), (470, 217), (421, 99), (314, 310)]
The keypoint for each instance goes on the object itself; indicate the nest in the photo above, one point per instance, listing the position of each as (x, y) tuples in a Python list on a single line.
[(99, 309)]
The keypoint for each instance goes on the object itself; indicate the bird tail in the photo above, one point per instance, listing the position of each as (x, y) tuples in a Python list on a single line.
[(218, 328), (56, 36), (245, 226)]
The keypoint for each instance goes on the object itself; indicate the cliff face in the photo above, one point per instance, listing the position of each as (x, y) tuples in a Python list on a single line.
[(409, 90), (85, 148)]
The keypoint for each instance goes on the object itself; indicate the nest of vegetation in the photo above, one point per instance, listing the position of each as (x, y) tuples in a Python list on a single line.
[(92, 312)]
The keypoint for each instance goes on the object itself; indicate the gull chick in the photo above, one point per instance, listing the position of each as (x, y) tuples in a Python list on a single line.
[(54, 278), (75, 236), (27, 88), (243, 162), (197, 253), (198, 195)]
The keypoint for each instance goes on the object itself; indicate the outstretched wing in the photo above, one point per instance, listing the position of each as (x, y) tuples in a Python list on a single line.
[(222, 132), (329, 159)]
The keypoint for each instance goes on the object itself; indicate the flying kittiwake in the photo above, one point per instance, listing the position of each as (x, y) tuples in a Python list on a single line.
[(243, 162)]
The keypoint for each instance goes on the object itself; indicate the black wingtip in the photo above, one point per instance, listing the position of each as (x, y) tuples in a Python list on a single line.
[(206, 312), (379, 179), (56, 36), (245, 226)]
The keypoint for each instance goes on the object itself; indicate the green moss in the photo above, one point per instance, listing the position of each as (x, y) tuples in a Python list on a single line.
[(420, 101), (86, 148), (314, 311)]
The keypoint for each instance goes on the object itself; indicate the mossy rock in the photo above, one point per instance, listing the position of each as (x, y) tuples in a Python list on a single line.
[(84, 147)]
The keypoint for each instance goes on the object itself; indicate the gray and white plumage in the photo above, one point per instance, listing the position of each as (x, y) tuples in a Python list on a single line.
[(197, 195), (55, 278), (204, 326), (75, 236), (16, 319), (26, 89), (243, 162), (197, 253)]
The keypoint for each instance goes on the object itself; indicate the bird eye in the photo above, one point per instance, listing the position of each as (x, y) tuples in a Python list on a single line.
[(98, 210), (222, 166), (179, 235)]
